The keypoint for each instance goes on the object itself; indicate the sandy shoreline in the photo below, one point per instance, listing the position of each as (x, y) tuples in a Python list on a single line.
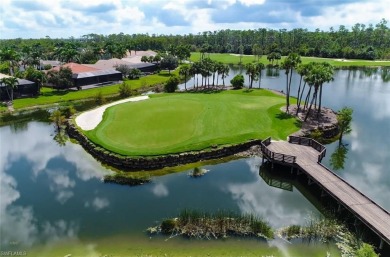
[(90, 119)]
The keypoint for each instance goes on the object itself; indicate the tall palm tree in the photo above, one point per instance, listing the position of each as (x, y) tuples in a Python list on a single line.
[(259, 67), (302, 70), (251, 71), (290, 63), (224, 73), (185, 72), (318, 74)]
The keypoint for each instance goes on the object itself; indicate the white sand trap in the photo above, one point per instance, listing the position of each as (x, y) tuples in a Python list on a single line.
[(90, 119)]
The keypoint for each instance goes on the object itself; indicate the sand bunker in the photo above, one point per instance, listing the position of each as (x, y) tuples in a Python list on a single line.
[(90, 119)]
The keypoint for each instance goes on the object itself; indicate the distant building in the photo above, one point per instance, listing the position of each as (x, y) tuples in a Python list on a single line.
[(53, 64), (114, 62), (23, 89), (84, 75)]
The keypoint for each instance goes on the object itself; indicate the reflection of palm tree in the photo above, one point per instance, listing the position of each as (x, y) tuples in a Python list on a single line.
[(61, 137), (338, 157)]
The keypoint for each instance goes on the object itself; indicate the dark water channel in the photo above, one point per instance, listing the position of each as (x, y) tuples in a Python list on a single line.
[(53, 200)]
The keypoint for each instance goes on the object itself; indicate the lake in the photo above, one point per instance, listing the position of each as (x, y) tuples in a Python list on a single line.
[(54, 203)]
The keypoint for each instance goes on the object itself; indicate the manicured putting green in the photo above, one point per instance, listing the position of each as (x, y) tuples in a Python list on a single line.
[(174, 123)]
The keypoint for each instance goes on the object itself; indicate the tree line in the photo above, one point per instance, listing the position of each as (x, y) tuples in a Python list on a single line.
[(360, 42)]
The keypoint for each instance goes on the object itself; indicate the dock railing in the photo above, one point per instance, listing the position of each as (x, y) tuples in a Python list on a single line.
[(309, 142), (279, 157)]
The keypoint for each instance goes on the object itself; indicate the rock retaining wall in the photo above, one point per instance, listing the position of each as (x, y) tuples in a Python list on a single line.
[(152, 163)]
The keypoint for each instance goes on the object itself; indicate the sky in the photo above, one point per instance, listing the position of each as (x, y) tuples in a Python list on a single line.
[(74, 18)]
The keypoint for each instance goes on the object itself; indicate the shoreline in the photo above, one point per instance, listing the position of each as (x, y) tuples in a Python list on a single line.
[(143, 163)]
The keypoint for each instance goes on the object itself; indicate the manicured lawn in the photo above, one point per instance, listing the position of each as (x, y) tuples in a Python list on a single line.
[(235, 59), (173, 123), (51, 96)]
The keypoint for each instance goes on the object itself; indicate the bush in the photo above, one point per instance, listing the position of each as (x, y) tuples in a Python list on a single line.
[(168, 226), (99, 98), (124, 90), (172, 84), (238, 81)]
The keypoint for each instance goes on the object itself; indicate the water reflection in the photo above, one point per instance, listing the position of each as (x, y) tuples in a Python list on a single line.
[(98, 203), (54, 193), (25, 162), (338, 157), (279, 207)]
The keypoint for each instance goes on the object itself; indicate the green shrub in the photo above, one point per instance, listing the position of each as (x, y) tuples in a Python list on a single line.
[(238, 81), (172, 84), (168, 226), (99, 98), (124, 90)]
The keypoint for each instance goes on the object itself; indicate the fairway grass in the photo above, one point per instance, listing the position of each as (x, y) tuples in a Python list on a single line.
[(235, 59), (175, 123)]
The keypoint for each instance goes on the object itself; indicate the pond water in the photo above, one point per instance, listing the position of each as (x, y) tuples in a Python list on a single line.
[(53, 202)]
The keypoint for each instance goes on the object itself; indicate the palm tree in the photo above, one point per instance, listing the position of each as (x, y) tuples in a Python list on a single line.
[(302, 70), (10, 83), (224, 73), (213, 69), (289, 64), (327, 77), (318, 74), (11, 56), (185, 72), (219, 69), (259, 67), (251, 71)]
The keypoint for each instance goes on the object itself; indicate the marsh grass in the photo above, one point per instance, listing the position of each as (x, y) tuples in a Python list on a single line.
[(126, 179), (222, 224), (328, 230)]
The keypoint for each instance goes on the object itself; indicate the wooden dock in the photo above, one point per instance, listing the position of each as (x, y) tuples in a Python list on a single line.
[(306, 154)]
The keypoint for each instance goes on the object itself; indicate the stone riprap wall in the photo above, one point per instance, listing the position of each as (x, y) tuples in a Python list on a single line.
[(152, 163)]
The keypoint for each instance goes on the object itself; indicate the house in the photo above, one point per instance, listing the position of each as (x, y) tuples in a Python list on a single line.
[(23, 89), (84, 75), (114, 62), (44, 63)]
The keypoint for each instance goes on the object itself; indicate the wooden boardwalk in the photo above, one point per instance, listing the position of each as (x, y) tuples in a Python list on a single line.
[(306, 155)]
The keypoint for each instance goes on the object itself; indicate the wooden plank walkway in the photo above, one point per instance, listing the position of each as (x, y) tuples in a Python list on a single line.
[(307, 160)]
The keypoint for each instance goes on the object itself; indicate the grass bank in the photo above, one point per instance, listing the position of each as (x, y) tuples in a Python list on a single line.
[(181, 122), (142, 246), (51, 96), (235, 59)]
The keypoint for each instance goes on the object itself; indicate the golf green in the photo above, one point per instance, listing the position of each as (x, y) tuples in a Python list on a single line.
[(174, 123)]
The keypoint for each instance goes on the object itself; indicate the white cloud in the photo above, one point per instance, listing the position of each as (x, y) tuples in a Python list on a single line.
[(350, 14), (251, 2), (160, 190), (98, 203), (67, 18)]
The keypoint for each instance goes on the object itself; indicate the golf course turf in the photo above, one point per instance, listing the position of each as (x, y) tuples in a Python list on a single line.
[(181, 122)]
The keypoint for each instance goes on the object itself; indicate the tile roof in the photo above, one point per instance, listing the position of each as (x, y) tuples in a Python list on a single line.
[(76, 68)]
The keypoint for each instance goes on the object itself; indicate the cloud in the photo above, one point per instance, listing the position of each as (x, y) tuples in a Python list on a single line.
[(160, 190), (98, 203), (67, 18), (279, 207)]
